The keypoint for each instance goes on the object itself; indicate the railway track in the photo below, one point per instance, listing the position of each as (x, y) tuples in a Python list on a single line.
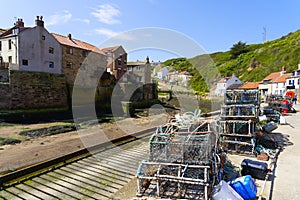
[(96, 176)]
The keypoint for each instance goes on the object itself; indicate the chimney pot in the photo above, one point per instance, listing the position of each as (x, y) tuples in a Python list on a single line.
[(19, 23), (39, 21), (70, 36)]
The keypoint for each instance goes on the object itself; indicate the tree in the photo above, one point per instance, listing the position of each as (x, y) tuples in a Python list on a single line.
[(238, 49)]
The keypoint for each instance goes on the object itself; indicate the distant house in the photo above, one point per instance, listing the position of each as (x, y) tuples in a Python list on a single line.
[(162, 73), (183, 78), (30, 48), (268, 85), (279, 85), (292, 82), (225, 83), (138, 72), (172, 77), (116, 61)]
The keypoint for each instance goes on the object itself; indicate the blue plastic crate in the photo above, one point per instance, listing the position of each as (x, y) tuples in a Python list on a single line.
[(245, 187)]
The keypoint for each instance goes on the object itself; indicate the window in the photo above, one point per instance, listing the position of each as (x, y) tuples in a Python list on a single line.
[(130, 68), (291, 82), (84, 53), (43, 37), (9, 44), (138, 68), (51, 50), (69, 64), (10, 59), (0, 46), (25, 62), (51, 64), (69, 50)]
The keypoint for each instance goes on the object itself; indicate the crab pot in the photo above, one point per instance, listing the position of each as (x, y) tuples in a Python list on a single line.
[(170, 180), (240, 111), (237, 127), (234, 144), (241, 97), (177, 148)]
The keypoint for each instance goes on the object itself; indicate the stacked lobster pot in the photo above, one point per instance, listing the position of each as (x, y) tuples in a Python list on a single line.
[(239, 115), (183, 161)]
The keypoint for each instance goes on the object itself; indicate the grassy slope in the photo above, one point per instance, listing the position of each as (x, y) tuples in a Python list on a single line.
[(264, 59)]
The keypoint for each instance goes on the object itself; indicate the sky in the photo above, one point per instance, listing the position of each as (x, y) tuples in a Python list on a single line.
[(159, 28)]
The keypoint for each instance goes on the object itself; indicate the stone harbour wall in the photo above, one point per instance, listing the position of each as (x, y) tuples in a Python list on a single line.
[(5, 96), (36, 90)]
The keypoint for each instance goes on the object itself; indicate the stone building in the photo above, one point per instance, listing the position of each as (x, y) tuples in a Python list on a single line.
[(79, 55), (116, 61)]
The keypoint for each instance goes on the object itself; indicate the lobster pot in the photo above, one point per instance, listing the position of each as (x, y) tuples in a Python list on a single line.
[(235, 144), (174, 148), (241, 97), (170, 180), (239, 111), (237, 127)]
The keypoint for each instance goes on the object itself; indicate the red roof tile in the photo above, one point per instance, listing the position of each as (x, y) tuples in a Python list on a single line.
[(282, 78), (110, 48), (272, 76), (250, 85), (76, 43)]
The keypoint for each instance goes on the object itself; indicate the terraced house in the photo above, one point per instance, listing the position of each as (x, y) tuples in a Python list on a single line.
[(30, 48), (30, 66), (79, 55)]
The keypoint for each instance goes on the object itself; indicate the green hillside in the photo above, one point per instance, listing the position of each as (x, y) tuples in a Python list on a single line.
[(252, 63)]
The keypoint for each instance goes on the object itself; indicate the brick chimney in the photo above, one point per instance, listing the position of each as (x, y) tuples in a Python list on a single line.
[(39, 21), (19, 23)]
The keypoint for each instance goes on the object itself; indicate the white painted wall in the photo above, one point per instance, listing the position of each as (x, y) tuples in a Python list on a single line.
[(33, 48), (162, 73), (6, 52)]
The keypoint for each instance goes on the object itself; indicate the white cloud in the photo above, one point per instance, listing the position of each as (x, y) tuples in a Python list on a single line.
[(59, 18), (106, 32), (116, 35), (107, 14), (86, 21)]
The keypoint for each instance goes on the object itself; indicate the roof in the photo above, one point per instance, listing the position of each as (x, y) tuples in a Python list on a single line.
[(250, 85), (272, 76), (282, 78), (9, 32), (223, 80), (234, 86), (110, 48), (136, 63), (64, 40)]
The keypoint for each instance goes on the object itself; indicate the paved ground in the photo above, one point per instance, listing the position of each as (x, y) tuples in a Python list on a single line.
[(287, 172)]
